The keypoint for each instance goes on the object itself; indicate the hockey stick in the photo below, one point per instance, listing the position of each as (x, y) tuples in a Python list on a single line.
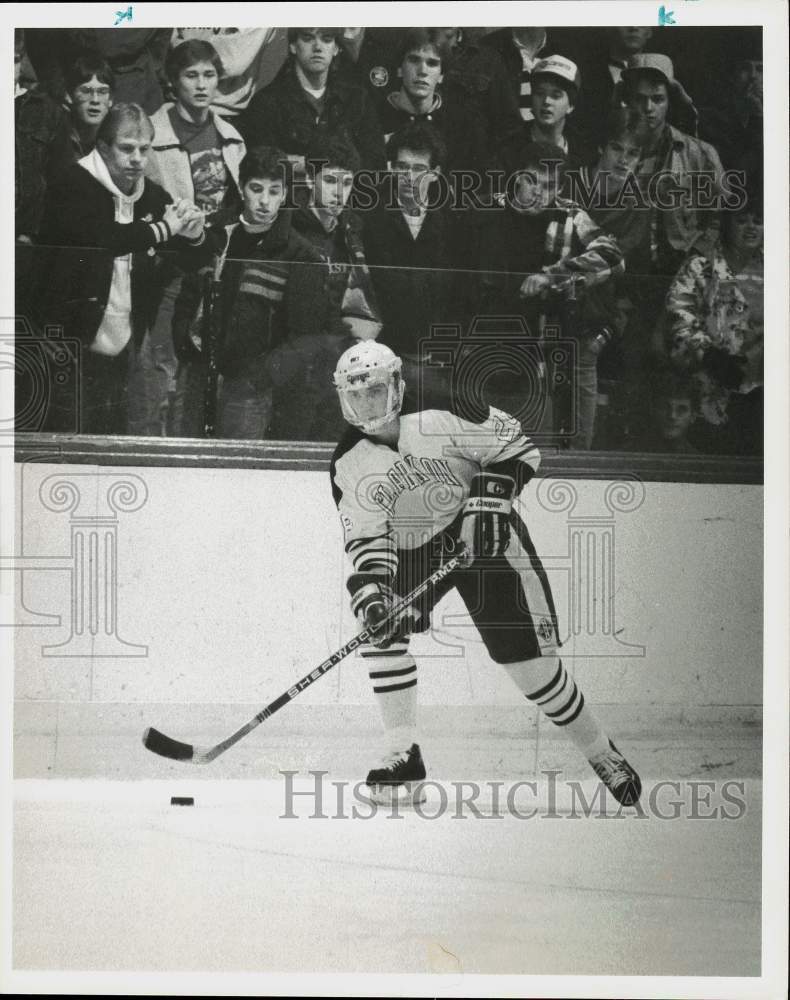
[(165, 746)]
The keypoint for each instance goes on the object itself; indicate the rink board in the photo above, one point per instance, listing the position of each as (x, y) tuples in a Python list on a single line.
[(228, 585)]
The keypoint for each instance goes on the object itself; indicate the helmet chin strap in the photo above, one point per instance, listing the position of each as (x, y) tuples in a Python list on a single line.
[(371, 426)]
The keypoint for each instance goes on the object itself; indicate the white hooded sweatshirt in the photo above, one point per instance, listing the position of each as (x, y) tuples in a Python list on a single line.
[(115, 329)]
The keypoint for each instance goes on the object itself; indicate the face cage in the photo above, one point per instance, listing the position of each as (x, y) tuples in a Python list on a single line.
[(395, 390)]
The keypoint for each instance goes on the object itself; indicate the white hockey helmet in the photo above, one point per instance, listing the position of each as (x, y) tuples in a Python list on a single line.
[(370, 386)]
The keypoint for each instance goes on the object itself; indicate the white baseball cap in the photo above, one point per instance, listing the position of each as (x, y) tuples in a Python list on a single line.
[(558, 66)]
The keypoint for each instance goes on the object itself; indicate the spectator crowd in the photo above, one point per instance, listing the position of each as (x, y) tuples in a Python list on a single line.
[(563, 222)]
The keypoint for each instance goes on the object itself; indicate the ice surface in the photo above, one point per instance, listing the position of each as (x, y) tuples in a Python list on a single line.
[(110, 876)]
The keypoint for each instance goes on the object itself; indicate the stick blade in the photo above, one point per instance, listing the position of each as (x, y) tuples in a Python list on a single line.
[(163, 745)]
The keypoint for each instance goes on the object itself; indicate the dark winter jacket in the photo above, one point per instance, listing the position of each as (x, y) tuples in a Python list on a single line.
[(346, 281), (413, 278), (42, 142), (501, 42), (376, 66), (282, 115), (270, 289), (476, 76), (81, 240), (596, 98), (458, 123)]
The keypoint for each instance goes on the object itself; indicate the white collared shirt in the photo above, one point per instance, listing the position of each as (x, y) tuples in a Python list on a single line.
[(414, 221)]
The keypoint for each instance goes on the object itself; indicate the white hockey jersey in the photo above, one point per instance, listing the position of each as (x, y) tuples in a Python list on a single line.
[(390, 500)]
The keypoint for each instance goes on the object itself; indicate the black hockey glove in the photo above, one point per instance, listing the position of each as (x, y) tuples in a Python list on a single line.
[(485, 526), (372, 602)]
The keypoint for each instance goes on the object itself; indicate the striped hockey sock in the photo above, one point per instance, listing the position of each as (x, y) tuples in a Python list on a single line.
[(393, 672), (545, 682)]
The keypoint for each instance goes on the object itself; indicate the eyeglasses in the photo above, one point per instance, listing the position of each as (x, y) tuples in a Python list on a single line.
[(413, 170), (87, 92)]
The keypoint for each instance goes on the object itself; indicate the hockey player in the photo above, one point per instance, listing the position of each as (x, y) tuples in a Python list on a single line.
[(412, 491)]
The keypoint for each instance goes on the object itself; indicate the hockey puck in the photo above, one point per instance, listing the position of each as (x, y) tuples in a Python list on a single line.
[(181, 800)]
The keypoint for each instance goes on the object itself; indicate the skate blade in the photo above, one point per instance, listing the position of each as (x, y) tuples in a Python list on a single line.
[(407, 794)]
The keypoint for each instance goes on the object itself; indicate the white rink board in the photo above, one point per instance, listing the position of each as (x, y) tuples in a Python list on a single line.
[(233, 582)]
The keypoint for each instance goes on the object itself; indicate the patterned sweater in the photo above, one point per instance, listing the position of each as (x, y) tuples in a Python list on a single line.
[(578, 246), (562, 241)]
